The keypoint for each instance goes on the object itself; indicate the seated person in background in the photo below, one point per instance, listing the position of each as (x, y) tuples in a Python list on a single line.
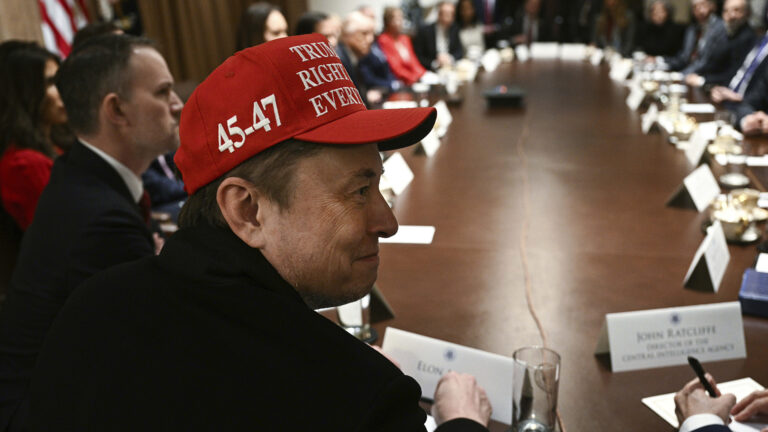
[(308, 22), (321, 23), (470, 29), (93, 214), (697, 38), (261, 22), (728, 48), (398, 48), (438, 45), (698, 412), (615, 28), (356, 41), (659, 35), (30, 107), (528, 25), (218, 332), (166, 191), (376, 72), (743, 83), (750, 116), (92, 30)]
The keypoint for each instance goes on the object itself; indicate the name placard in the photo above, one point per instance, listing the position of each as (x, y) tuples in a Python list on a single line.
[(444, 118), (427, 359), (522, 53), (635, 98), (620, 69), (702, 186), (573, 51), (397, 173), (430, 143), (596, 58), (545, 50), (666, 337), (707, 274), (649, 118), (697, 144)]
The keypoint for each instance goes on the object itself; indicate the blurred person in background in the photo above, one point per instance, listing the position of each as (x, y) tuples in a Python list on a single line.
[(322, 23), (398, 48), (356, 41), (30, 106), (747, 83), (261, 22), (438, 45), (697, 39), (470, 29), (659, 35), (528, 25), (727, 50), (615, 28)]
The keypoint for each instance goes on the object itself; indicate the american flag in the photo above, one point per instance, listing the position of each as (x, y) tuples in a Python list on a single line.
[(60, 20)]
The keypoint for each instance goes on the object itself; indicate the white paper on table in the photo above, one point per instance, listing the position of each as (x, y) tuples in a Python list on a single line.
[(762, 263), (664, 405), (413, 234), (721, 159), (399, 104), (703, 108)]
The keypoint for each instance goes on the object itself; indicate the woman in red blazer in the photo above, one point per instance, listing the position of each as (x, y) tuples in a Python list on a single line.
[(30, 107), (398, 48)]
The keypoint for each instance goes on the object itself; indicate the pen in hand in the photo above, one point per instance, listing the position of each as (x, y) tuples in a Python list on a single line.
[(700, 373)]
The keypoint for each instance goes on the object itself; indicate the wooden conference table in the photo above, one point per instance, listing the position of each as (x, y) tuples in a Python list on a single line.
[(599, 238)]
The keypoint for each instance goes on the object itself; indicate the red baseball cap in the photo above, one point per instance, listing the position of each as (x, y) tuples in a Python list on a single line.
[(294, 87)]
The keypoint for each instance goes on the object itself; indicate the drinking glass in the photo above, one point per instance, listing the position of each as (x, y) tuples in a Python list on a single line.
[(536, 377)]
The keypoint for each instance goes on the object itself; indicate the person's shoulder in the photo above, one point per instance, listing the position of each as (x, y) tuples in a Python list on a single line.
[(14, 155)]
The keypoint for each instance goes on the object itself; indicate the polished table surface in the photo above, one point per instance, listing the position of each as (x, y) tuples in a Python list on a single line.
[(571, 183)]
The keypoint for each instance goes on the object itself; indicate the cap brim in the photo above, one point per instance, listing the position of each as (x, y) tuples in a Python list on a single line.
[(390, 128)]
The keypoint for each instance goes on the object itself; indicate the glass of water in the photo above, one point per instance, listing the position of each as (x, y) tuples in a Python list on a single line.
[(536, 377)]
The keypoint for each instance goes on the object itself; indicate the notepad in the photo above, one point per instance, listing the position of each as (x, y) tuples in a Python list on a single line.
[(664, 405)]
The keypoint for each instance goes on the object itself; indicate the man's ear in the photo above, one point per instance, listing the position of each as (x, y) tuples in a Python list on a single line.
[(112, 110), (241, 205)]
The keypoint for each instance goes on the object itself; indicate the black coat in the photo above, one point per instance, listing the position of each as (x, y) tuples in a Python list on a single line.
[(208, 336), (86, 221), (663, 40), (355, 74), (425, 44), (726, 55)]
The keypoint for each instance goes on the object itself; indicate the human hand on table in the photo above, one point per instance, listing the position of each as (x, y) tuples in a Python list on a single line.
[(754, 123), (458, 396), (721, 93), (754, 404), (692, 400)]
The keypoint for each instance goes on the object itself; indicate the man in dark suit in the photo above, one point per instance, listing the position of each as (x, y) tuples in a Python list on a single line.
[(728, 48), (218, 332), (357, 35), (438, 44), (698, 412), (120, 101), (697, 37)]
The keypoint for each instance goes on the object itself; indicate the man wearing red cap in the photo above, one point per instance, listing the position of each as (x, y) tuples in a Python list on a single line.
[(218, 332)]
